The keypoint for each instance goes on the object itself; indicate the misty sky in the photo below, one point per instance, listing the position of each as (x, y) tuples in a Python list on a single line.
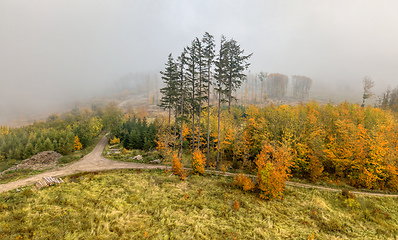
[(56, 51)]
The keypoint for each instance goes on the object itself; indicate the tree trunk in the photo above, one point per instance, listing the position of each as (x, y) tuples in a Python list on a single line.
[(193, 128), (182, 114), (208, 121), (218, 129), (255, 88), (169, 113), (245, 102), (175, 131), (200, 102), (193, 107), (229, 94)]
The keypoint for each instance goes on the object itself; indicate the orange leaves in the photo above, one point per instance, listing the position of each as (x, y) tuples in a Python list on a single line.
[(244, 182), (347, 142), (198, 162), (115, 140), (273, 171), (236, 205), (185, 132), (177, 167), (77, 144)]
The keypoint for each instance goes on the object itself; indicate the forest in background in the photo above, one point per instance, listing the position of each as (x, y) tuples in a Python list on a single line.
[(65, 133), (345, 142)]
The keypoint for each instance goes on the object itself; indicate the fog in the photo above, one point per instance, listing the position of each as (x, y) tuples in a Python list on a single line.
[(53, 52)]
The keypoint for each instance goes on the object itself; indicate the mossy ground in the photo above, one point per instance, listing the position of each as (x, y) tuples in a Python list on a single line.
[(136, 204)]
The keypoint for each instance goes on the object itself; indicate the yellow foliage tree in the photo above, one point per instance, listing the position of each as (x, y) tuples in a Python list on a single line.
[(177, 167), (115, 140), (4, 130), (273, 171), (77, 144), (198, 162)]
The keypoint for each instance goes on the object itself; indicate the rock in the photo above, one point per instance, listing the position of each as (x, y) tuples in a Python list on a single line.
[(157, 161), (138, 157)]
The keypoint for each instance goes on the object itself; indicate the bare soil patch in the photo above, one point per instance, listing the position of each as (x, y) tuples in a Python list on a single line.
[(40, 161)]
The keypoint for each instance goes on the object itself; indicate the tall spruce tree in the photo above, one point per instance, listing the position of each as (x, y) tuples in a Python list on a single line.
[(201, 91), (208, 55), (230, 67), (182, 93), (220, 77), (169, 91), (236, 64), (192, 77), (188, 83)]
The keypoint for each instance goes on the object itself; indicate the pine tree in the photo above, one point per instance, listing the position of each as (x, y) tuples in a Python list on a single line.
[(208, 55), (28, 150), (230, 65), (192, 80), (220, 77), (48, 146), (182, 93), (236, 64), (169, 92), (201, 92)]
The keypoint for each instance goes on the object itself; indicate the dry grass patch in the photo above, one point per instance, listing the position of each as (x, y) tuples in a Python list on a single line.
[(127, 204)]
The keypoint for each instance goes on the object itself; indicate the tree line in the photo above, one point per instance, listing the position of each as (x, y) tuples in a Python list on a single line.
[(197, 71), (58, 133), (338, 143), (260, 86)]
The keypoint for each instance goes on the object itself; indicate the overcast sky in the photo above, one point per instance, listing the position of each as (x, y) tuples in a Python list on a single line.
[(54, 51)]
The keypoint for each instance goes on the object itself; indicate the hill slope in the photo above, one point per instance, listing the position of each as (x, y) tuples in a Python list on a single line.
[(134, 204)]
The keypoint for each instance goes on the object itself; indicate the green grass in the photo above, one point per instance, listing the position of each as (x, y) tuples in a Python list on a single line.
[(147, 157), (18, 174), (7, 163), (132, 204)]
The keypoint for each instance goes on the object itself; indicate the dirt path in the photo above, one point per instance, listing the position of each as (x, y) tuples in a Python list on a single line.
[(92, 162), (96, 162)]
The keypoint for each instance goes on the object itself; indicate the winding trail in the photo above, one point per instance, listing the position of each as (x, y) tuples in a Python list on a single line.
[(94, 162)]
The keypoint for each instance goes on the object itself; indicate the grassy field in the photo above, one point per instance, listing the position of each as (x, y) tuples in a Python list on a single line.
[(135, 204)]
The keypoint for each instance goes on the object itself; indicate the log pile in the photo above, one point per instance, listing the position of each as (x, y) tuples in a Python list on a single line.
[(48, 181)]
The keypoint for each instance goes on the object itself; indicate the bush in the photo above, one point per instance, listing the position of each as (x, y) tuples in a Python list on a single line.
[(198, 162), (244, 182), (273, 171), (114, 141), (177, 167)]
